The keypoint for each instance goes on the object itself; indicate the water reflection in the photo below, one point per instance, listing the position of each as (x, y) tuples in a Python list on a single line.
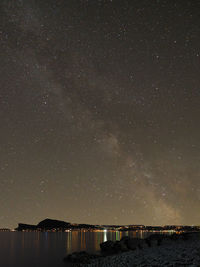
[(48, 249), (68, 241), (90, 241), (105, 236)]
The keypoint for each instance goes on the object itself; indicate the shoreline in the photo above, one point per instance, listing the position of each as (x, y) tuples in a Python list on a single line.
[(177, 252)]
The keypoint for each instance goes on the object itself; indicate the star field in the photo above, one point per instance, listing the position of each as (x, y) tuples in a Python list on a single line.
[(99, 111)]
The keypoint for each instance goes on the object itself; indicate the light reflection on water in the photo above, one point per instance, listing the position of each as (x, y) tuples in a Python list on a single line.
[(35, 249)]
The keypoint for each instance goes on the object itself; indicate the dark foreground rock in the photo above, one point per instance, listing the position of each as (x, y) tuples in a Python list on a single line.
[(126, 243), (107, 247)]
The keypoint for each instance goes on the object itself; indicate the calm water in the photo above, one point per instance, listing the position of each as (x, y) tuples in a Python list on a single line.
[(35, 249)]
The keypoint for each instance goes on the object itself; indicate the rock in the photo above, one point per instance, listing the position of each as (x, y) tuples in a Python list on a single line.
[(133, 243), (107, 247), (166, 241), (120, 246), (155, 239), (174, 237), (189, 236), (125, 238), (148, 242), (142, 244)]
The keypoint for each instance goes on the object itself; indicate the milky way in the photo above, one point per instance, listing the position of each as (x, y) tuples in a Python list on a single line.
[(99, 111)]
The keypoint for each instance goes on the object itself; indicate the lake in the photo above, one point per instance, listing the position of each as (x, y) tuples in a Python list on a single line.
[(46, 249)]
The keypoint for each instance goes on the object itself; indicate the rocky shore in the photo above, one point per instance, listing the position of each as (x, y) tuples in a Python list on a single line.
[(157, 250)]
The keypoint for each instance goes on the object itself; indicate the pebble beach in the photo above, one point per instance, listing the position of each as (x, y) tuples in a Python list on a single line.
[(170, 253), (178, 254)]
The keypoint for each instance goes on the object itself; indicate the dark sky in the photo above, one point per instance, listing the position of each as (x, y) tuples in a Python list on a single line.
[(99, 111)]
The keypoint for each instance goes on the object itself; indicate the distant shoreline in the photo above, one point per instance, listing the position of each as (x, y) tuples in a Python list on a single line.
[(61, 226)]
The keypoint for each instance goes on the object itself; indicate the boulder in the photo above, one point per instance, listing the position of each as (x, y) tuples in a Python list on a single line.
[(174, 237), (120, 246), (124, 238), (155, 239), (148, 242), (167, 241), (142, 244), (133, 243), (107, 247)]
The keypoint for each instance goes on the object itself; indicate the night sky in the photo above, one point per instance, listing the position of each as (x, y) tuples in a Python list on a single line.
[(100, 111)]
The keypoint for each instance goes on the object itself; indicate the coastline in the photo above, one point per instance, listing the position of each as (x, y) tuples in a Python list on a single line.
[(180, 252)]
